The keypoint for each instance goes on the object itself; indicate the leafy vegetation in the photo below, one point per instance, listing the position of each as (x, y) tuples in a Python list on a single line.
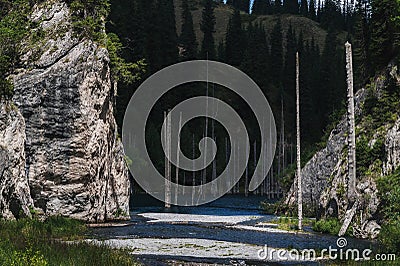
[(14, 27), (389, 194), (329, 226), (88, 21), (32, 242)]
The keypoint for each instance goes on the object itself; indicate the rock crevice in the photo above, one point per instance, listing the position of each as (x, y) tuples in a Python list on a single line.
[(73, 160)]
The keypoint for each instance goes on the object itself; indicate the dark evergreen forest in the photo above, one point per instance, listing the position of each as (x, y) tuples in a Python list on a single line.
[(260, 41)]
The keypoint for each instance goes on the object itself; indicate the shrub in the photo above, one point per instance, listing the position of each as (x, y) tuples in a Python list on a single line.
[(330, 226), (389, 195), (389, 237)]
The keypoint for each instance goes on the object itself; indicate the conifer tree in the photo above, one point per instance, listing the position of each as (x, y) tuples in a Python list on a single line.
[(277, 53), (291, 6), (311, 12), (245, 6), (385, 31), (278, 6), (289, 80), (208, 28), (187, 37), (256, 57), (304, 8), (168, 37), (221, 51), (235, 40), (259, 7), (361, 45), (262, 7), (290, 69)]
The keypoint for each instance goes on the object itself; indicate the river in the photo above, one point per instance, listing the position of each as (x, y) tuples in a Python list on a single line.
[(229, 231)]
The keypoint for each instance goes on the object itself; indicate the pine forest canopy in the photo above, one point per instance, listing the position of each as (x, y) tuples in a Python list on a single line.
[(262, 43)]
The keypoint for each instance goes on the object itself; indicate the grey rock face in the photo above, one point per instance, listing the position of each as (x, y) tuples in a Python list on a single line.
[(321, 168), (325, 175), (15, 198), (74, 160), (392, 148)]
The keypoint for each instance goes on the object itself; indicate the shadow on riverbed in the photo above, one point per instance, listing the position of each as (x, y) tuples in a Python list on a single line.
[(232, 218)]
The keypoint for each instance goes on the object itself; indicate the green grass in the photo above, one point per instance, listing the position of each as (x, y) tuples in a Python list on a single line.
[(291, 223), (36, 243)]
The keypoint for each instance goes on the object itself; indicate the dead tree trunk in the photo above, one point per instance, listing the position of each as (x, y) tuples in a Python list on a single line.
[(246, 181), (177, 161), (352, 134), (193, 173), (351, 140), (299, 181), (167, 162)]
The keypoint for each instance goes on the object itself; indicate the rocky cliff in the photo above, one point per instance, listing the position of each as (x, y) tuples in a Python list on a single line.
[(325, 175), (73, 159), (15, 198)]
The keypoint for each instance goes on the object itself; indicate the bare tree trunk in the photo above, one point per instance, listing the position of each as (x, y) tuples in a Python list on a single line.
[(214, 163), (167, 162), (351, 139), (246, 189), (352, 134), (228, 179), (177, 161), (283, 145), (238, 170), (204, 180), (234, 166), (193, 173), (299, 181)]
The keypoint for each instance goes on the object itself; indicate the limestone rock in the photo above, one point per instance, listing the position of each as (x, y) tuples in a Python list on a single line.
[(15, 198), (74, 159), (321, 168), (325, 175)]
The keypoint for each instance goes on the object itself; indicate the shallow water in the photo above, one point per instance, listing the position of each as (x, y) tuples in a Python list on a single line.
[(228, 231)]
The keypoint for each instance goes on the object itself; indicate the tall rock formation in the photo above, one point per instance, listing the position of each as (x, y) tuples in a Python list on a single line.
[(15, 198), (74, 161), (324, 190)]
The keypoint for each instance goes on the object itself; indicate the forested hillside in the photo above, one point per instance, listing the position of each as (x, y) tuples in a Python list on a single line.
[(263, 44)]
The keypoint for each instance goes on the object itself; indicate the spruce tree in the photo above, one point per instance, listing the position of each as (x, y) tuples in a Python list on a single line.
[(259, 7), (168, 36), (208, 28), (290, 76), (256, 56), (311, 12), (290, 64), (277, 53), (361, 45), (291, 6), (221, 51), (263, 7), (245, 6), (385, 31), (304, 8), (235, 40), (187, 37), (278, 6)]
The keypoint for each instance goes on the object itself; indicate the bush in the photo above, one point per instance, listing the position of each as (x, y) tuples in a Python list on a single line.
[(389, 195), (329, 226), (389, 237)]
